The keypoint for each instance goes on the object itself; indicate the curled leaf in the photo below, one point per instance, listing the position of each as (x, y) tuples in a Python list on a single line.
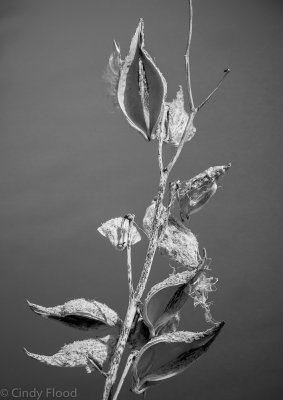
[(91, 354), (81, 313), (165, 300), (142, 88), (113, 72), (168, 355), (118, 231), (174, 121), (176, 241), (180, 244), (196, 192)]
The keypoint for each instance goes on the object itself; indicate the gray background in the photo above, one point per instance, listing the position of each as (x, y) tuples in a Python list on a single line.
[(68, 163)]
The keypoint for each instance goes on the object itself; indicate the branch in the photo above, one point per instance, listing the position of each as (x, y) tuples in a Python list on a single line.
[(187, 58), (125, 372), (153, 242), (226, 72)]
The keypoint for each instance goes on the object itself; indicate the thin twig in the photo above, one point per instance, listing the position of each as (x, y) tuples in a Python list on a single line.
[(226, 72), (187, 58), (129, 258), (125, 372)]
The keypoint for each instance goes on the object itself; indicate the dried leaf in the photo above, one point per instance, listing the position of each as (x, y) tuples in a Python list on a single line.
[(166, 299), (180, 244), (196, 192), (176, 241), (81, 313), (142, 88), (174, 121), (168, 355), (117, 231), (91, 354)]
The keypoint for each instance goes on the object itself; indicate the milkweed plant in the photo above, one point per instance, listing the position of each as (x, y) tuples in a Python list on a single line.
[(157, 350)]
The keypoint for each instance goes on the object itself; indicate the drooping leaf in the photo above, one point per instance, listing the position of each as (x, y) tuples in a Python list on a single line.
[(165, 300), (91, 354), (176, 241), (142, 88), (117, 231), (196, 192), (174, 121), (168, 355), (81, 313)]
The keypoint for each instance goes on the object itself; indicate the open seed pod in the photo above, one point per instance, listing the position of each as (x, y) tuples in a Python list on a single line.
[(166, 299), (142, 88), (81, 313), (168, 355), (196, 192), (91, 354), (118, 231)]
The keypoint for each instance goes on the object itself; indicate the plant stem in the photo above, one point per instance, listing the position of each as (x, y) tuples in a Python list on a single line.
[(132, 307), (153, 242), (187, 57), (129, 258), (125, 372)]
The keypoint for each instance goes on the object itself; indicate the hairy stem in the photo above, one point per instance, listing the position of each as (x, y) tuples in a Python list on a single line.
[(132, 308)]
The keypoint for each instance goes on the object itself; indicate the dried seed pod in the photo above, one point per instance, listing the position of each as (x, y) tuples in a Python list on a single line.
[(176, 241), (196, 192), (174, 121), (91, 354), (165, 300), (142, 88), (81, 313), (117, 231), (168, 355)]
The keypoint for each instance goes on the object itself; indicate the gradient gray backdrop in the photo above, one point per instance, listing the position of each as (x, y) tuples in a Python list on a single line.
[(68, 163)]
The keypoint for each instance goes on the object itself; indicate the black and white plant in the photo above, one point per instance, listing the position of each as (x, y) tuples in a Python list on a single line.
[(149, 332)]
